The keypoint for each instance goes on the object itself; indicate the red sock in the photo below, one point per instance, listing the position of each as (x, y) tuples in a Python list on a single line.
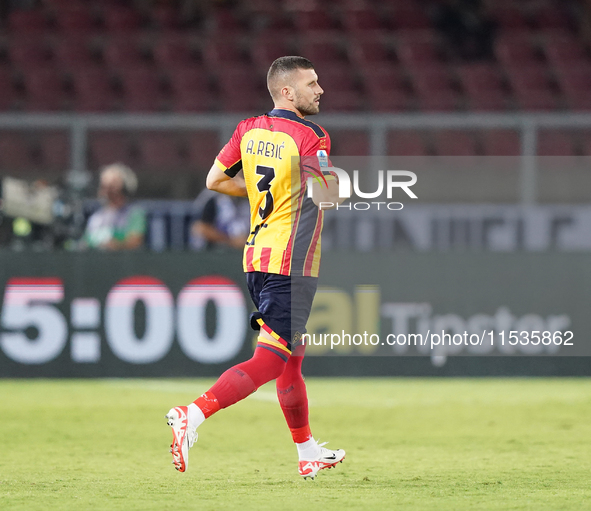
[(207, 403), (243, 379), (291, 391)]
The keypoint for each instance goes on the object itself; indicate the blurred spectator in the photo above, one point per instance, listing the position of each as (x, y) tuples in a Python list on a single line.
[(467, 27), (117, 225), (223, 221)]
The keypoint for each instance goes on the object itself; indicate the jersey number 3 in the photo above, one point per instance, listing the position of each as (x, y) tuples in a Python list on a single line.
[(264, 185)]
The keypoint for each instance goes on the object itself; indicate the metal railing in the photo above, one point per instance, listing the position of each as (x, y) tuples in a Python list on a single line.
[(377, 126)]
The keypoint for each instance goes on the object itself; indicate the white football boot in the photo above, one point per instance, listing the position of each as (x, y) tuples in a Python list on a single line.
[(183, 437), (327, 458)]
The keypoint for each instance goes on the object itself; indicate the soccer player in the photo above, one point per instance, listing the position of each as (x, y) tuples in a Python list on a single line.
[(277, 152)]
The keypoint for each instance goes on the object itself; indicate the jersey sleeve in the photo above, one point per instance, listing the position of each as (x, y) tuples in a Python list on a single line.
[(315, 155), (230, 157)]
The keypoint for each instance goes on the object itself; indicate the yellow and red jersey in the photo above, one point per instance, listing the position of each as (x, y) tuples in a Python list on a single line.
[(277, 152)]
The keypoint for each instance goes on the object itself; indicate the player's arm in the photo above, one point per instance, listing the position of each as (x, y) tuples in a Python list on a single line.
[(327, 195), (218, 181)]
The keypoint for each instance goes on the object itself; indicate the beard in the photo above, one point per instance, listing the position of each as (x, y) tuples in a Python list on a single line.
[(305, 107)]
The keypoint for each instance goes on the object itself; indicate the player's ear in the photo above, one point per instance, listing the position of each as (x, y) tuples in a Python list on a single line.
[(287, 92)]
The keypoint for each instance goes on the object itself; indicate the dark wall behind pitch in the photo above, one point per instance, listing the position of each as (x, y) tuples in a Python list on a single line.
[(185, 314)]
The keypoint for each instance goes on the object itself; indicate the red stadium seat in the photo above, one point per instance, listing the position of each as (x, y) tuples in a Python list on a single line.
[(321, 49), (23, 22), (222, 52), (164, 17), (262, 8), (72, 51), (509, 17), (313, 20), (302, 5), (92, 89), (361, 20), (141, 89), (203, 147), (122, 52), (190, 90), (250, 97), (44, 89), (409, 16), (159, 151), (438, 101), (483, 86), (501, 143), (550, 16), (55, 151), (515, 49), (28, 53), (586, 146), (406, 143), (55, 5), (222, 21), (434, 88), (173, 51), (575, 82), (564, 52), (531, 88), (349, 142), (264, 50), (341, 101), (121, 19), (454, 143), (110, 147), (388, 100), (555, 143), (368, 52), (492, 100), (15, 153), (385, 90), (7, 92), (75, 19), (341, 93), (431, 77), (415, 51), (337, 76)]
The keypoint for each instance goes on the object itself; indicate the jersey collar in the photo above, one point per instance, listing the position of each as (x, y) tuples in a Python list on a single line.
[(283, 112)]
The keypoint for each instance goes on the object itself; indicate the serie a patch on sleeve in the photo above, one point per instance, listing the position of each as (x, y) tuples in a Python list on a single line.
[(322, 157)]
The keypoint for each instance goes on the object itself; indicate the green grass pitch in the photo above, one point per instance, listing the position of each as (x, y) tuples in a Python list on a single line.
[(412, 444)]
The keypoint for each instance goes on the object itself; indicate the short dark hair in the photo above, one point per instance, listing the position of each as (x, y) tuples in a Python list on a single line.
[(282, 67)]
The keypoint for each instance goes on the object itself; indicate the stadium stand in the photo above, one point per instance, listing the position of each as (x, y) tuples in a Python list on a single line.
[(15, 152), (350, 142), (44, 89), (8, 94), (190, 89), (202, 148), (54, 151), (501, 143), (407, 143), (107, 147), (72, 52), (141, 89), (159, 151), (92, 89), (454, 143), (365, 35), (386, 56)]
